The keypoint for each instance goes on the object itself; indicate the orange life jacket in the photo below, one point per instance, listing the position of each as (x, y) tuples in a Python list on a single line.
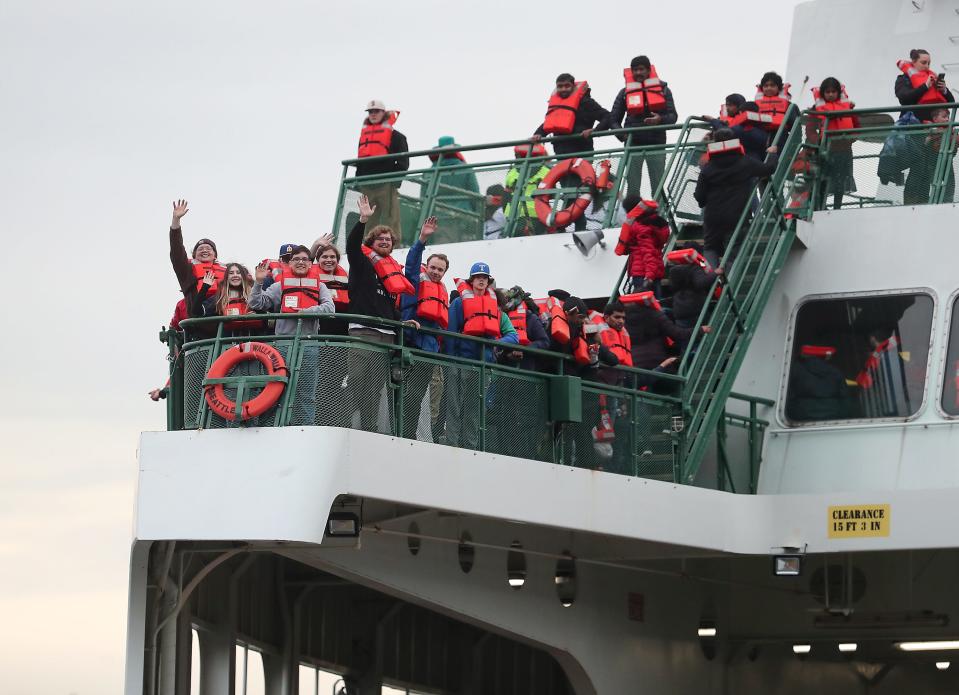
[(389, 272), (558, 324), (618, 343), (200, 269), (338, 285), (775, 107), (480, 312), (375, 140), (299, 292), (237, 306), (647, 298), (865, 377), (594, 316), (643, 97), (724, 147), (581, 350), (642, 208), (841, 104), (604, 432), (518, 318), (917, 78), (688, 257), (432, 301), (561, 113), (275, 267)]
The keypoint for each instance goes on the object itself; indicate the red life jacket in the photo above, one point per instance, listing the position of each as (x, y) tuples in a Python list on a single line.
[(917, 78), (595, 317), (338, 285), (865, 377), (775, 107), (643, 97), (375, 140), (275, 267), (642, 208), (389, 272), (688, 257), (480, 312), (561, 113), (518, 318), (236, 306), (200, 269), (299, 292), (432, 301), (817, 351), (647, 298), (618, 343), (558, 324), (841, 104), (724, 147), (604, 431)]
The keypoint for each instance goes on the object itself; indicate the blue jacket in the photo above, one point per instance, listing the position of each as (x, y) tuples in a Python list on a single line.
[(469, 348), (754, 140), (408, 303)]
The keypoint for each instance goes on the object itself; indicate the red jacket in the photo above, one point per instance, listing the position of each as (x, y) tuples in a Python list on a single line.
[(646, 241)]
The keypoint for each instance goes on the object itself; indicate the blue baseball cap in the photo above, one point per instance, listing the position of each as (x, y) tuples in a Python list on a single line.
[(480, 268), (287, 250)]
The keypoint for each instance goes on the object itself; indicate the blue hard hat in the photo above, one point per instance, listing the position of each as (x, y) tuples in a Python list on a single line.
[(480, 268), (286, 250)]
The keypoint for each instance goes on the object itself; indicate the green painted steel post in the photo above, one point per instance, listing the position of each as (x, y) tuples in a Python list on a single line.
[(753, 447)]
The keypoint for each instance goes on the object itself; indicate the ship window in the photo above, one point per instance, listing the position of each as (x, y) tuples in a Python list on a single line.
[(859, 358), (194, 662), (249, 671), (950, 387), (316, 681)]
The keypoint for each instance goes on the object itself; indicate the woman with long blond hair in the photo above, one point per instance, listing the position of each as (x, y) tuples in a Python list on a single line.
[(231, 300)]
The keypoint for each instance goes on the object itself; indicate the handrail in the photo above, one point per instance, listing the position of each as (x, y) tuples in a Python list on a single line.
[(882, 109), (525, 141)]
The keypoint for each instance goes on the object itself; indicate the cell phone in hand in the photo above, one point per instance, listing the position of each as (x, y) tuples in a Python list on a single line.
[(941, 76)]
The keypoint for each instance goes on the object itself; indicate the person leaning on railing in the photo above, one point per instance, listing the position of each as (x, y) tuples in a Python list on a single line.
[(650, 106), (572, 111), (231, 299), (297, 291), (378, 138)]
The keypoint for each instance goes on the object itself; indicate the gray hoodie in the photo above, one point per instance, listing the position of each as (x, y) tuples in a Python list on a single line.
[(270, 300)]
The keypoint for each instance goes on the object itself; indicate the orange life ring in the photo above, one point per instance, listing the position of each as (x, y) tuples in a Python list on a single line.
[(266, 355), (587, 177)]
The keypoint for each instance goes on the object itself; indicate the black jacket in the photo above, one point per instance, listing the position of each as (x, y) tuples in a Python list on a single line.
[(367, 294), (398, 145), (656, 137), (648, 329), (817, 391), (589, 372), (588, 113), (690, 291), (754, 140), (723, 189), (910, 96)]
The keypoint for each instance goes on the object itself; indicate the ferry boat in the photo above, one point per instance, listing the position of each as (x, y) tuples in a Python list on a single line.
[(758, 534)]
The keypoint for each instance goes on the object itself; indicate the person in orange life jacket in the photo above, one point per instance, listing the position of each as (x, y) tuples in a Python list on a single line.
[(430, 308), (336, 279), (662, 113), (230, 299), (648, 329), (770, 97), (412, 305), (614, 336), (524, 315), (587, 116), (645, 236), (691, 284), (755, 140), (378, 138), (817, 388), (723, 190), (838, 164), (276, 266), (190, 270), (922, 171), (928, 90), (475, 307), (596, 354), (289, 296)]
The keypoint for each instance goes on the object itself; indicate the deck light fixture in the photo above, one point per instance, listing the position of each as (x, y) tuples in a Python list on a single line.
[(942, 665), (343, 524), (848, 647), (787, 562), (801, 650), (932, 646), (707, 634)]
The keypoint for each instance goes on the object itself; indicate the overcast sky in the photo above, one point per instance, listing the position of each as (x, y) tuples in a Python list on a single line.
[(110, 110)]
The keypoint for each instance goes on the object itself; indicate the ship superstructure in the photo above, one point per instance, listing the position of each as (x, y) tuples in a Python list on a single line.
[(751, 538)]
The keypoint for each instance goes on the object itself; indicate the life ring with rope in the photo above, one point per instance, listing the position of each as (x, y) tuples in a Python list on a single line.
[(215, 392), (581, 168)]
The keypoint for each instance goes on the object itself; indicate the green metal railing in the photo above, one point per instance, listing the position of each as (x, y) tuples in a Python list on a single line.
[(879, 163), (461, 211), (546, 414)]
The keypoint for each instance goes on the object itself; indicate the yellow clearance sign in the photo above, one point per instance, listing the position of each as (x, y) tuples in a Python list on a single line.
[(858, 521)]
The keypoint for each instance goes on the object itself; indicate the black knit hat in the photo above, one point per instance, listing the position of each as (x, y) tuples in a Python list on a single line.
[(205, 241)]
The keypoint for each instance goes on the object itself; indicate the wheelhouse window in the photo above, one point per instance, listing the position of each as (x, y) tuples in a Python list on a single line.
[(950, 386), (857, 358)]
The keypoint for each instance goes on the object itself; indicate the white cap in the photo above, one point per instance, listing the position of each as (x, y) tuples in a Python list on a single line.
[(376, 104)]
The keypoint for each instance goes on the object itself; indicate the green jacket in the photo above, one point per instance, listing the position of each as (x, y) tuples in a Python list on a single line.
[(512, 179), (451, 184)]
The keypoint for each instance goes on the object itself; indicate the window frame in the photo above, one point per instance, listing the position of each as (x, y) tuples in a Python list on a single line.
[(944, 356), (868, 294)]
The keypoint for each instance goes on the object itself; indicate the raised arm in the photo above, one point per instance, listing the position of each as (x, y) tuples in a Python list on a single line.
[(178, 257)]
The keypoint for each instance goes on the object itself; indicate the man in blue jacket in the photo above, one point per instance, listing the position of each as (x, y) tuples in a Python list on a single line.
[(463, 406), (421, 376)]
